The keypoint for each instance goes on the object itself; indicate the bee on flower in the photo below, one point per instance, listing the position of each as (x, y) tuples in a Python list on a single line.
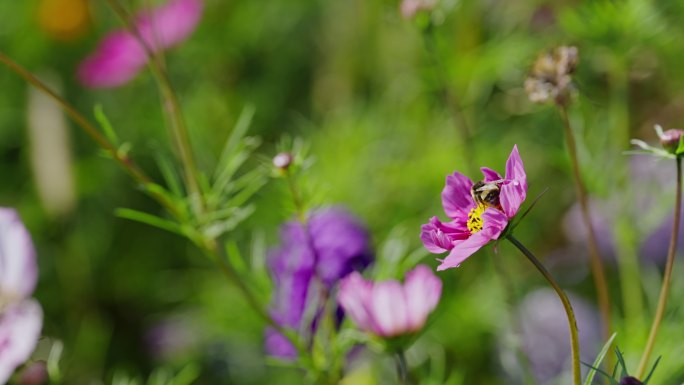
[(479, 212)]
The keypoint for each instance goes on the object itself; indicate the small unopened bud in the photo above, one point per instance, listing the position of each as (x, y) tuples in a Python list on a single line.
[(630, 381), (282, 161), (670, 139)]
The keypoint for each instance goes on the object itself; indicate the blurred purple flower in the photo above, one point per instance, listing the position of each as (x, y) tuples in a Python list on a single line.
[(479, 212), (653, 208), (120, 56), (388, 308), (333, 244), (543, 336), (21, 318)]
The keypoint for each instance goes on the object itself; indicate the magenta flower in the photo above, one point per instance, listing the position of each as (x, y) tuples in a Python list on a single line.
[(388, 308), (120, 56), (21, 318), (479, 212)]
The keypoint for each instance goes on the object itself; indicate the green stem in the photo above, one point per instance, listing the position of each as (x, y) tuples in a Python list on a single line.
[(120, 157), (597, 269), (402, 367), (296, 197), (572, 323), (665, 288), (177, 127)]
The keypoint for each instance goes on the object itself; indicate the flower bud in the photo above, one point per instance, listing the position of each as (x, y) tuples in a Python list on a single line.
[(630, 381), (670, 139), (282, 161)]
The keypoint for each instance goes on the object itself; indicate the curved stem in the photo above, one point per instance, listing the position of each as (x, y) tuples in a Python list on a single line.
[(597, 269), (572, 323), (120, 157), (665, 288)]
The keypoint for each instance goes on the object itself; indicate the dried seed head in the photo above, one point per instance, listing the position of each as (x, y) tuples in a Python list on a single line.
[(550, 79)]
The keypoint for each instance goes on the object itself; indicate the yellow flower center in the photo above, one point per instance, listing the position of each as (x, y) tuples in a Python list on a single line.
[(475, 221)]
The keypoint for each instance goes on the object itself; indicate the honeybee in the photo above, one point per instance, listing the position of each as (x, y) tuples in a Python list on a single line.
[(487, 193)]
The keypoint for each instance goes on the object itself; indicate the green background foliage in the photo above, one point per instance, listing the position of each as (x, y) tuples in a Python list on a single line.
[(355, 81)]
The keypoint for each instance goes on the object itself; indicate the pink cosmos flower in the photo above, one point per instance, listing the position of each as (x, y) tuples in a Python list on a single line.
[(21, 318), (479, 212), (120, 56), (388, 308)]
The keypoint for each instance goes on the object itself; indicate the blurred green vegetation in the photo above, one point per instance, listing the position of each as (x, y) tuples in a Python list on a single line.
[(355, 80)]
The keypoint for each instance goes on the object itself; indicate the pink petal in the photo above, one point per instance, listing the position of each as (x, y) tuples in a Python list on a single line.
[(463, 250), (20, 326), (515, 169), (170, 24), (422, 289), (511, 197), (352, 296), (18, 268), (490, 175), (456, 197), (494, 223), (389, 309), (116, 61), (120, 56), (438, 237)]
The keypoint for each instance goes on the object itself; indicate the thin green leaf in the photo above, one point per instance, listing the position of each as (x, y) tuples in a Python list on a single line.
[(652, 370), (106, 125), (243, 123), (170, 174), (218, 228), (243, 196), (235, 257), (234, 162), (150, 219), (598, 360)]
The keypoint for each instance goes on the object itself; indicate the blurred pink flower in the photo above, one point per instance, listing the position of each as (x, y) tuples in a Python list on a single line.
[(409, 8), (479, 212), (388, 308), (120, 56), (21, 318)]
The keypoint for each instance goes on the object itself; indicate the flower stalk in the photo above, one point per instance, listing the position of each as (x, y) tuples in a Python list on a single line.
[(597, 270), (119, 156), (171, 106), (665, 288), (572, 323), (402, 367)]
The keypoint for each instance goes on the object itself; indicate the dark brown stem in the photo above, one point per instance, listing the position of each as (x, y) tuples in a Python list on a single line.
[(667, 276), (597, 269)]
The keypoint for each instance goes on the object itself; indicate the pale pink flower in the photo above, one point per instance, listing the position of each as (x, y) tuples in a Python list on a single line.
[(388, 308), (120, 56), (21, 318)]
